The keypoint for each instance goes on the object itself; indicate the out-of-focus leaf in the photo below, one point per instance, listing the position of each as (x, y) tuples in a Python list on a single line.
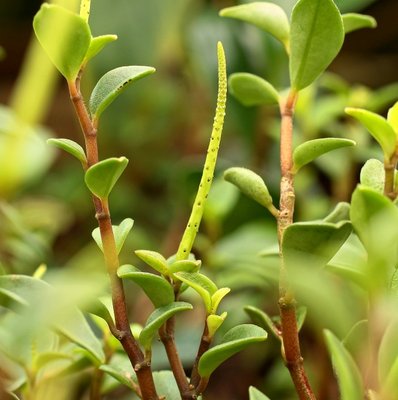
[(373, 175), (392, 117), (388, 352), (97, 44), (71, 147), (124, 376), (353, 22), (340, 213), (221, 200), (262, 319), (255, 394)]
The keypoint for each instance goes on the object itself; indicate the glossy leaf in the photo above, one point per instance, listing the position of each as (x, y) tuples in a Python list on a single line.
[(185, 266), (348, 375), (312, 149), (378, 127), (112, 84), (313, 243), (266, 16), (214, 322), (234, 341), (255, 394), (353, 22), (67, 49), (159, 291), (250, 184), (71, 147), (373, 175), (97, 44), (157, 319), (251, 90), (101, 177), (120, 232), (340, 213), (316, 37), (217, 297), (203, 285), (154, 260), (262, 319)]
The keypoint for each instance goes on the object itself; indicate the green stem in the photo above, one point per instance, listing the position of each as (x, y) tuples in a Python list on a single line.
[(389, 182)]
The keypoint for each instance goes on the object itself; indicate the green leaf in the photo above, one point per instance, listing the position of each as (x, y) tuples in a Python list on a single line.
[(98, 308), (97, 44), (122, 375), (255, 394), (373, 175), (316, 37), (120, 232), (349, 377), (214, 322), (392, 117), (251, 90), (112, 84), (234, 341), (252, 185), (313, 243), (154, 260), (378, 127), (70, 147), (340, 213), (159, 291), (262, 319), (266, 16), (388, 352), (217, 297), (312, 149), (203, 285), (185, 266), (65, 37), (157, 319), (353, 22), (101, 177)]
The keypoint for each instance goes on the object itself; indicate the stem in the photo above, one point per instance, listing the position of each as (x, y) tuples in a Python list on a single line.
[(389, 170), (102, 213), (205, 342), (287, 303)]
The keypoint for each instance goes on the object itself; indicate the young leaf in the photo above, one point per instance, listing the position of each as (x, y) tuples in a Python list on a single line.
[(373, 175), (234, 341), (340, 213), (124, 376), (101, 177), (159, 291), (312, 149), (263, 320), (71, 147), (154, 260), (349, 377), (255, 394), (214, 322), (65, 37), (252, 185), (217, 297), (266, 16), (97, 44), (353, 22), (392, 117), (157, 319), (203, 285), (251, 90), (112, 84), (378, 127), (316, 37), (185, 266)]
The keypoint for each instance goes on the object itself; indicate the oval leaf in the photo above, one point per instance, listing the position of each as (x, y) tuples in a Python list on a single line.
[(234, 341), (214, 322), (266, 16), (373, 175), (158, 318), (312, 149), (154, 260), (185, 266), (101, 177), (255, 394), (97, 44), (123, 375), (263, 320), (217, 297), (348, 375), (340, 213), (251, 90), (65, 37), (159, 291), (378, 127), (70, 147), (112, 84), (316, 37), (353, 22)]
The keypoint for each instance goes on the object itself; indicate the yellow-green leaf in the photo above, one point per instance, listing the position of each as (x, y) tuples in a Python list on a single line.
[(71, 147), (97, 44), (353, 22)]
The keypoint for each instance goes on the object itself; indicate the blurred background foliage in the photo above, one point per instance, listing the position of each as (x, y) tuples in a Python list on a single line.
[(162, 125)]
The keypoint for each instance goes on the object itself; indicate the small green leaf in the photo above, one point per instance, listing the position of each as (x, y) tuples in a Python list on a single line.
[(348, 375), (392, 117), (217, 297), (312, 149), (373, 175), (262, 319), (252, 185), (159, 291), (201, 284), (154, 260), (112, 84), (214, 322), (266, 16), (185, 266), (340, 213), (316, 37), (313, 243), (353, 22), (101, 177), (378, 127), (157, 319), (71, 147), (251, 90), (65, 37), (235, 340), (97, 44), (124, 376), (255, 394)]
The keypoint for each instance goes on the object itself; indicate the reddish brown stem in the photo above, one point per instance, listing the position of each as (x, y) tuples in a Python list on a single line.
[(205, 342)]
